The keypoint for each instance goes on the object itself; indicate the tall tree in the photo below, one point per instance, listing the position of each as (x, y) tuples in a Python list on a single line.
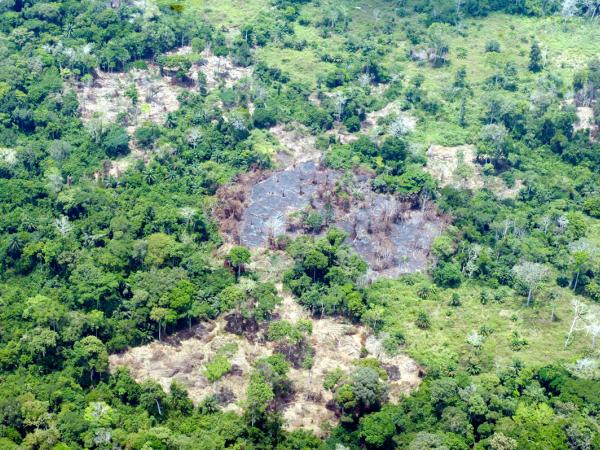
[(535, 57), (531, 275)]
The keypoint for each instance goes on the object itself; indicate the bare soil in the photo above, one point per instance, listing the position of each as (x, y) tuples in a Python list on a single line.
[(105, 97), (369, 127), (219, 70), (456, 166), (336, 344), (586, 121), (298, 145), (443, 162), (8, 156), (585, 114)]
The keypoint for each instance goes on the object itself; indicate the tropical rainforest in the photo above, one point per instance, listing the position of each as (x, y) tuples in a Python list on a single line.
[(360, 224)]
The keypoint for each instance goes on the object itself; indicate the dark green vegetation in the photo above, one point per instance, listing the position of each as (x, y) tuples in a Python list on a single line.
[(92, 265)]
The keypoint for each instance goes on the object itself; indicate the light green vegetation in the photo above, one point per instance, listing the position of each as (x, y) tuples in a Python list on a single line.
[(445, 343), (217, 368), (232, 13)]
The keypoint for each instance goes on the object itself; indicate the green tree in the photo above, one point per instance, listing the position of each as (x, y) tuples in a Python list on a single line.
[(238, 257), (90, 355), (258, 396), (162, 317), (161, 249), (315, 261), (115, 141), (531, 275), (44, 311), (378, 428), (535, 57)]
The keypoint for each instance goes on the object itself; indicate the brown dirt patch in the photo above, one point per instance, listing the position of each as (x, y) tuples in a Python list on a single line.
[(298, 145), (585, 116), (336, 344), (456, 166), (105, 97), (219, 70), (370, 127), (586, 121)]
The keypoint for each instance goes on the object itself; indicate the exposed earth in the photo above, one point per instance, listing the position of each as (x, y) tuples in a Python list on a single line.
[(336, 343), (104, 98), (390, 235), (456, 166)]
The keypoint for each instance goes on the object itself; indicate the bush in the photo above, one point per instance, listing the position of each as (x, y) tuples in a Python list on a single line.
[(455, 299), (336, 78), (423, 321), (591, 206), (217, 368), (115, 141), (147, 134), (352, 124), (447, 275), (264, 118), (492, 46)]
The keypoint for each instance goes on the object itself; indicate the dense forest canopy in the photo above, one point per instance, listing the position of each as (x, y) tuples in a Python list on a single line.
[(443, 206)]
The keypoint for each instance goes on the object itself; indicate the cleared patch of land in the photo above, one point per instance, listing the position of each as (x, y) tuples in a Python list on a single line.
[(456, 166), (392, 236), (298, 145), (336, 344), (105, 97)]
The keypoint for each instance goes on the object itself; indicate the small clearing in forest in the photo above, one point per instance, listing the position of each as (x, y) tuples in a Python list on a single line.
[(456, 166), (585, 116), (336, 344), (8, 156), (586, 121), (297, 142), (218, 70), (105, 97), (393, 236), (371, 127)]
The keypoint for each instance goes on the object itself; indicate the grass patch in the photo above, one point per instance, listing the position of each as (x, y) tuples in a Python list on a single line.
[(509, 329)]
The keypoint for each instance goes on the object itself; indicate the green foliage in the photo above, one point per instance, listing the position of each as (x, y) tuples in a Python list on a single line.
[(217, 368), (238, 257), (535, 58), (324, 273), (94, 262)]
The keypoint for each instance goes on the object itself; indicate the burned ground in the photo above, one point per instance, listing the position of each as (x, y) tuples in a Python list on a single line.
[(392, 236)]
